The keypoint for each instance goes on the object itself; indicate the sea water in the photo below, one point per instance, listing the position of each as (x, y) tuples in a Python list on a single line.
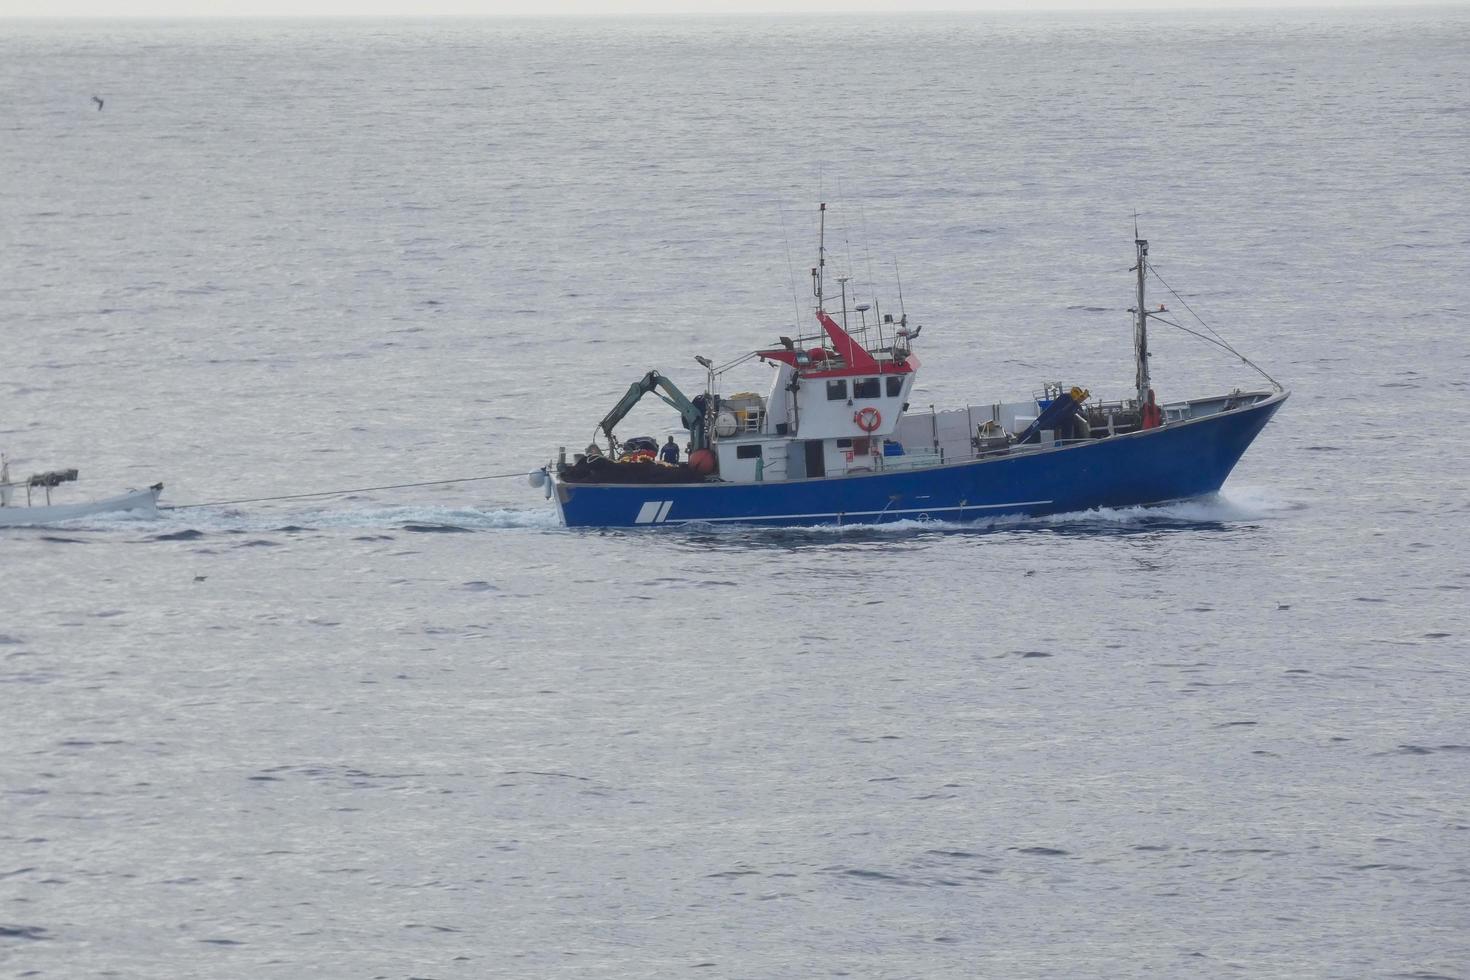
[(428, 733)]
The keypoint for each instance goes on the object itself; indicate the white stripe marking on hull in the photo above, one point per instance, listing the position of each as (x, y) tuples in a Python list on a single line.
[(855, 513)]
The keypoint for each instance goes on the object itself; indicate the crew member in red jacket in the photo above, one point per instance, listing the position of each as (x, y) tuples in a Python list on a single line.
[(1153, 416)]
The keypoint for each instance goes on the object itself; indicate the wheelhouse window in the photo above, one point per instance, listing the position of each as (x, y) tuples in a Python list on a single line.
[(747, 452), (895, 386), (866, 388), (837, 390)]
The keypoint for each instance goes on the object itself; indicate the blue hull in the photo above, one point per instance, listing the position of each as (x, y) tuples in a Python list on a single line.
[(1181, 460)]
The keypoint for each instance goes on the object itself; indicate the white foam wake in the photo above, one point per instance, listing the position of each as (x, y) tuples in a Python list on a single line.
[(214, 520), (1239, 505), (1242, 504)]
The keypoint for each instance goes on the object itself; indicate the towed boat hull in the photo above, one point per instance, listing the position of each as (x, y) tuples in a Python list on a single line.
[(137, 501), (1180, 460)]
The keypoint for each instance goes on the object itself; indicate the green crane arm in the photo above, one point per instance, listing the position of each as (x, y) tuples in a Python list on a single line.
[(668, 393)]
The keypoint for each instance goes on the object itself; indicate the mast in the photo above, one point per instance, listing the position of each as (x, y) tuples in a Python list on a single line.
[(820, 272), (1140, 323)]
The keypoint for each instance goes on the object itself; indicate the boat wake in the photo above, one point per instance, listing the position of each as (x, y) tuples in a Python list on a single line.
[(1239, 506), (186, 524)]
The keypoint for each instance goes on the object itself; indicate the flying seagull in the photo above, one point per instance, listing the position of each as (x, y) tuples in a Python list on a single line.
[(98, 99)]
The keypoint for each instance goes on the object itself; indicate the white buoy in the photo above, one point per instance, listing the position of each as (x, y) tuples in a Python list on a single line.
[(537, 478)]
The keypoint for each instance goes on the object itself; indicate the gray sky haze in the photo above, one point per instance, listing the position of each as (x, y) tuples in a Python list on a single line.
[(492, 8)]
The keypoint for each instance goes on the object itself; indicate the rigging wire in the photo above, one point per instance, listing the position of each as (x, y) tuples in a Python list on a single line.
[(847, 241), (735, 363), (1222, 345), (1195, 333), (1155, 273), (867, 254), (340, 493), (1215, 337)]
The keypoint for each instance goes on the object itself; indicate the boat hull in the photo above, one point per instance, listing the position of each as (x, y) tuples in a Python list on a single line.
[(1180, 460), (139, 501)]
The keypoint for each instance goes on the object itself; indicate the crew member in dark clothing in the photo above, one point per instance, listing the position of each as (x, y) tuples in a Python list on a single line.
[(670, 452)]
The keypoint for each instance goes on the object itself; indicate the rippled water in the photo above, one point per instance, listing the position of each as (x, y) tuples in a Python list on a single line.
[(428, 733)]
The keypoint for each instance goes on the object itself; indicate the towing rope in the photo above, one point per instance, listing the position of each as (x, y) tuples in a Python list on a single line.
[(339, 493)]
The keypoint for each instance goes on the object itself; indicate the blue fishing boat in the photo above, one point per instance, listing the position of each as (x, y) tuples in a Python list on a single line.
[(833, 440)]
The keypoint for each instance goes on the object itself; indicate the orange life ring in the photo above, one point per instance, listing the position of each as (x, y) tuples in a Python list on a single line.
[(868, 419)]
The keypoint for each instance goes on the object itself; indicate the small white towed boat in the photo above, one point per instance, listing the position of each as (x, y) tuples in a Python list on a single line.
[(34, 511)]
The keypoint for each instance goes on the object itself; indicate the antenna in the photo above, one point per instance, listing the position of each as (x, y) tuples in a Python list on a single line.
[(863, 214), (862, 311), (791, 270), (903, 313)]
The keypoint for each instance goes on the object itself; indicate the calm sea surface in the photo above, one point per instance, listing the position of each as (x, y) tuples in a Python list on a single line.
[(427, 733)]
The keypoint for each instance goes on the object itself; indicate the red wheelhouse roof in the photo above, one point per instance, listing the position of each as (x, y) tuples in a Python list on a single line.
[(856, 358)]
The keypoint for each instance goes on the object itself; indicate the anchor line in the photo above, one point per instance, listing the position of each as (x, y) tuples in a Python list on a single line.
[(339, 493)]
